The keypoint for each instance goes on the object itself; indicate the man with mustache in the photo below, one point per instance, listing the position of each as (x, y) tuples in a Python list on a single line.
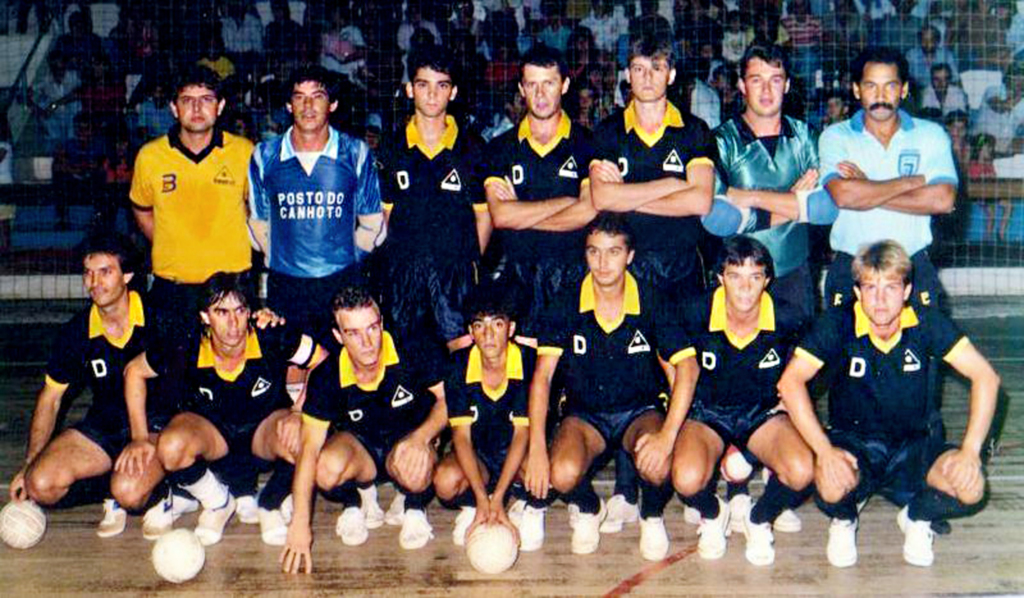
[(888, 172)]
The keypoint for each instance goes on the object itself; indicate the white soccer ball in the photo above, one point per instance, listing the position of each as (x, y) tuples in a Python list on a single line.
[(178, 556), (22, 524), (492, 548), (735, 467)]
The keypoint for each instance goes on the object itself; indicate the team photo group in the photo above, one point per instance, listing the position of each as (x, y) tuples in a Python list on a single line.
[(492, 324)]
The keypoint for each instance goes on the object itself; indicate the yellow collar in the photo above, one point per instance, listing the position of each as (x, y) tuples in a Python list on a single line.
[(672, 118), (862, 326), (719, 318), (451, 132), (630, 302), (564, 128), (513, 370), (388, 356), (136, 317), (207, 358)]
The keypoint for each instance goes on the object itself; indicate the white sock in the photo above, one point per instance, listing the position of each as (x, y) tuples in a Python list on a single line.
[(209, 491)]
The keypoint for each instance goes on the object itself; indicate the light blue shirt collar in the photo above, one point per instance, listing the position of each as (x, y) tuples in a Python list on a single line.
[(330, 150), (857, 121)]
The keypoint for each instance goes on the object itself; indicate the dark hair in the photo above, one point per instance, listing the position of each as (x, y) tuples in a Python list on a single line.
[(612, 224), (111, 243), (544, 57), (197, 76), (942, 66), (737, 250), (957, 115), (772, 54), (489, 299), (352, 297), (431, 57), (651, 46), (316, 74), (222, 285), (879, 55)]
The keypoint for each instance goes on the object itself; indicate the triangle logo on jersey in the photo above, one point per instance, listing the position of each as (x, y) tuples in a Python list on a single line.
[(672, 163), (224, 177), (639, 344), (260, 387), (401, 397), (770, 360), (452, 182), (569, 170), (910, 361)]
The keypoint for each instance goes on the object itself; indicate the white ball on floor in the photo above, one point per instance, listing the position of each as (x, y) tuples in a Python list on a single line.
[(22, 524), (178, 556), (492, 548)]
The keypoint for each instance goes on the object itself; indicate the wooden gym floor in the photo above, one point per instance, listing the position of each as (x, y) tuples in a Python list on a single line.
[(983, 555)]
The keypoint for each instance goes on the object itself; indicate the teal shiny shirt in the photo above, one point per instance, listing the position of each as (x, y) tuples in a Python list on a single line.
[(745, 163)]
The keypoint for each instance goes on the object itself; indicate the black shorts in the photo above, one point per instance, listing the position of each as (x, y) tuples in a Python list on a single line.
[(305, 303), (423, 296), (896, 469), (796, 288), (677, 274), (927, 286), (535, 283), (612, 425), (733, 426), (112, 438), (494, 461)]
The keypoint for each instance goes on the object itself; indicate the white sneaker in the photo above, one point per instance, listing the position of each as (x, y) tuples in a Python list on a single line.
[(653, 538), (620, 512), (586, 536), (531, 529), (273, 529), (515, 512), (351, 526), (842, 543), (691, 515), (416, 530), (115, 519), (247, 509), (917, 542), (210, 528), (739, 508), (760, 542), (160, 518), (788, 522), (396, 512), (287, 508), (372, 512), (712, 533), (462, 522), (574, 514)]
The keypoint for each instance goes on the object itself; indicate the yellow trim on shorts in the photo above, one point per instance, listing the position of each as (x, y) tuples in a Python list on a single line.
[(682, 354), (811, 357)]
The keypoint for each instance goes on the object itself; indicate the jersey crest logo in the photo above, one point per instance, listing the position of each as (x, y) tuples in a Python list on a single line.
[(910, 361), (569, 170), (672, 163), (99, 368), (355, 415), (401, 397), (224, 177), (260, 387), (770, 360), (708, 360), (639, 344), (169, 182), (909, 161), (452, 182)]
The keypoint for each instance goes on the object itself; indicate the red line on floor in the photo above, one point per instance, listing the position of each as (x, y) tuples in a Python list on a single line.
[(649, 571)]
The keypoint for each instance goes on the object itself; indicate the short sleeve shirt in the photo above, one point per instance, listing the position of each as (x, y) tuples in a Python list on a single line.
[(880, 388), (611, 366)]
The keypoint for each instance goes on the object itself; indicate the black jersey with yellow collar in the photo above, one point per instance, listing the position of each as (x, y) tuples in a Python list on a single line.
[(382, 412), (681, 142), (880, 388), (491, 413), (739, 372), (244, 396), (433, 194), (612, 367), (83, 355), (538, 172)]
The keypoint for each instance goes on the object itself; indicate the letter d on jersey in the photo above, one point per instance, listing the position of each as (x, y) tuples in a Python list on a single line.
[(517, 175), (355, 415), (858, 367), (708, 360), (99, 368), (579, 344), (402, 178)]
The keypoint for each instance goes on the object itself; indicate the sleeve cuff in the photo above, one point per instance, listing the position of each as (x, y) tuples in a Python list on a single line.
[(386, 205), (521, 422), (681, 355), (555, 351), (493, 180), (701, 161), (464, 420), (801, 352), (479, 208), (51, 383), (956, 350), (316, 422)]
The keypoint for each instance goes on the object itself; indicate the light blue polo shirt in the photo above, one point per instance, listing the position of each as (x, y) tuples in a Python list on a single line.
[(919, 147)]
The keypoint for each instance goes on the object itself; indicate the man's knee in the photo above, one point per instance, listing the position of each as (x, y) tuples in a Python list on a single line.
[(830, 493), (448, 481), (129, 491), (329, 470), (797, 473), (688, 479), (172, 450), (565, 475), (47, 485)]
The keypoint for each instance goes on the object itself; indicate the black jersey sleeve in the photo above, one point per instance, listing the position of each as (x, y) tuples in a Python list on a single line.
[(456, 394), (288, 344), (323, 393), (607, 138), (704, 145), (944, 337), (553, 326), (673, 339), (496, 161), (824, 343), (65, 365)]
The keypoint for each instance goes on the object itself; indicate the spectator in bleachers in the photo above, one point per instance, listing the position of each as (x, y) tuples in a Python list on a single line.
[(982, 167), (929, 52), (977, 35), (608, 22), (154, 117), (78, 167), (56, 102), (6, 153), (1002, 111), (242, 33), (214, 57), (553, 30), (875, 13), (837, 109), (283, 38), (103, 94), (414, 19), (942, 93), (80, 45), (736, 37), (723, 81), (956, 127), (343, 49), (583, 105), (804, 32), (704, 101), (843, 27), (582, 53)]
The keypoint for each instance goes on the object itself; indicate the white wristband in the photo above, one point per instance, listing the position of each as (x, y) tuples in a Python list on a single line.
[(801, 202)]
